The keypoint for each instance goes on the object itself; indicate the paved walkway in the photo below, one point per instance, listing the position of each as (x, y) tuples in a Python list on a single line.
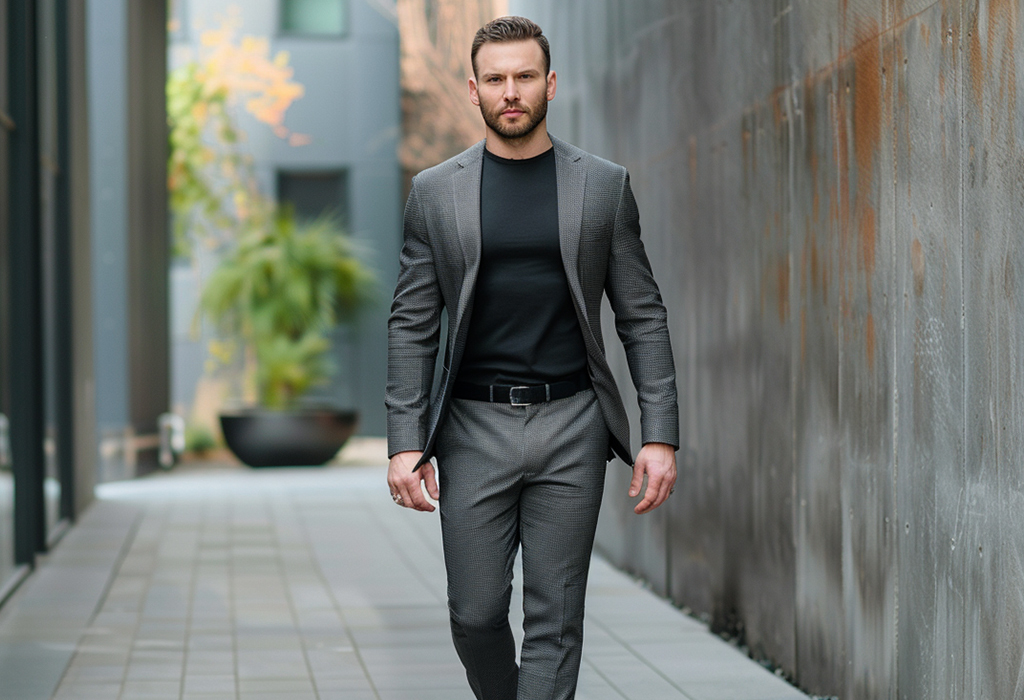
[(301, 584)]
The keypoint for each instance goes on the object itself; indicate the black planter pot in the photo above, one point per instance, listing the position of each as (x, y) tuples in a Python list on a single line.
[(302, 437)]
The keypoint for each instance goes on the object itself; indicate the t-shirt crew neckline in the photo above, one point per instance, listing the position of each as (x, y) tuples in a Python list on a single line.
[(523, 330), (516, 161)]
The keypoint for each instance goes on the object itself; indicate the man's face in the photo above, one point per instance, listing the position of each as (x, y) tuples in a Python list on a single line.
[(511, 88)]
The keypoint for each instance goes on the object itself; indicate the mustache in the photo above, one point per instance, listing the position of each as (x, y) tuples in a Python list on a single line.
[(518, 106)]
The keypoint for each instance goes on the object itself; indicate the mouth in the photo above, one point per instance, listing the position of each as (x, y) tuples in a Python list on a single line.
[(513, 113)]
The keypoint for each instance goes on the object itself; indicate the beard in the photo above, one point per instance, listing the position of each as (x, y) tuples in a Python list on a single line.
[(532, 116)]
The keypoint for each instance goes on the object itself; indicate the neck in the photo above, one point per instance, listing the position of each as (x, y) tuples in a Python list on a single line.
[(518, 149)]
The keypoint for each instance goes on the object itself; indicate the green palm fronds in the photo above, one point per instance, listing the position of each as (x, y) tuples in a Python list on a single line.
[(283, 288)]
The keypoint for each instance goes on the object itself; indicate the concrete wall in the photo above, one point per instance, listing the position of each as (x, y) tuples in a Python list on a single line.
[(831, 196)]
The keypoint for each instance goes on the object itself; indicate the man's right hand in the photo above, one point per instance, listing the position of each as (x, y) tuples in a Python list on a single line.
[(405, 483)]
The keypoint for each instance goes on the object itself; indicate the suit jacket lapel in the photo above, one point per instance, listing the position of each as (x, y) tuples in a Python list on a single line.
[(571, 178), (466, 191)]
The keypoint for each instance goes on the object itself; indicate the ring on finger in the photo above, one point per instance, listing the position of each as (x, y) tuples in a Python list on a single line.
[(397, 498)]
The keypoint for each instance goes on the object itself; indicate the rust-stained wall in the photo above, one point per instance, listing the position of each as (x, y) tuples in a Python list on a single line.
[(832, 194)]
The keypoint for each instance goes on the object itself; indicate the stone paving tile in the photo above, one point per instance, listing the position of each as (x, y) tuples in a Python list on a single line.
[(219, 683), (154, 672), (309, 584), (632, 675), (297, 684), (88, 691), (150, 689), (742, 689), (427, 694), (344, 694), (87, 673)]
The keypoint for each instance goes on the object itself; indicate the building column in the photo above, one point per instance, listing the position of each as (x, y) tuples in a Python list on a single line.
[(127, 51), (24, 263)]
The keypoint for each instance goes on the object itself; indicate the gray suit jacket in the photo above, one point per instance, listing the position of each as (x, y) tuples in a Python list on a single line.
[(599, 229)]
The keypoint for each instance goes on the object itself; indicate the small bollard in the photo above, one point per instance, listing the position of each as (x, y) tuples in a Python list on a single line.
[(172, 438), (5, 442)]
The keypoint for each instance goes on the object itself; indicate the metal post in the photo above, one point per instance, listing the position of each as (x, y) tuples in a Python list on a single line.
[(63, 336), (26, 381)]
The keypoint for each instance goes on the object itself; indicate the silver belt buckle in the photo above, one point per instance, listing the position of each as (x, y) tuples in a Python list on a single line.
[(512, 396)]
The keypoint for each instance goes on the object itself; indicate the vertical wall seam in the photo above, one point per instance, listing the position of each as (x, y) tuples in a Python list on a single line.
[(963, 300), (893, 305), (786, 22), (840, 664)]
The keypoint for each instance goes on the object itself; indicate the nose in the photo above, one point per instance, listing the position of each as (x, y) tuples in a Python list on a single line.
[(511, 90)]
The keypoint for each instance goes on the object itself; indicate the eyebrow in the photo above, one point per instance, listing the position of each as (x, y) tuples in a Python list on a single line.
[(498, 74)]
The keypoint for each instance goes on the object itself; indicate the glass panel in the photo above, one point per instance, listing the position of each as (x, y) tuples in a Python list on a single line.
[(314, 193), (327, 17)]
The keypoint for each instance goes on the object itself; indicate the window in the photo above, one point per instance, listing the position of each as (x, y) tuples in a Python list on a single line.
[(314, 193), (177, 20), (314, 17)]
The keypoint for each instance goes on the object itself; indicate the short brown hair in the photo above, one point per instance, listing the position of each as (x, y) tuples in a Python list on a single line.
[(511, 29)]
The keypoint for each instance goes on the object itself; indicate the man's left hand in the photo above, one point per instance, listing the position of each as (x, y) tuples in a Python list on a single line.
[(658, 461)]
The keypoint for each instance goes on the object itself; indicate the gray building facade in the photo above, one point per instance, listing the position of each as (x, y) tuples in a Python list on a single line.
[(127, 130), (345, 53), (82, 227)]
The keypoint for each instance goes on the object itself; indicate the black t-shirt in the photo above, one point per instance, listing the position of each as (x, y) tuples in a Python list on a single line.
[(523, 329)]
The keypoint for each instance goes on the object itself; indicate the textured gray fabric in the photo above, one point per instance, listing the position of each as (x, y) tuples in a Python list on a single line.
[(529, 475), (599, 230), (520, 474)]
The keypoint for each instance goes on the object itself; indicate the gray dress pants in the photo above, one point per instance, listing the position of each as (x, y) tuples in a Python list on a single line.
[(510, 476)]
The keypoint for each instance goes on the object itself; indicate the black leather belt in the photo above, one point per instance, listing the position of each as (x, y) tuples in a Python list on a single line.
[(521, 395)]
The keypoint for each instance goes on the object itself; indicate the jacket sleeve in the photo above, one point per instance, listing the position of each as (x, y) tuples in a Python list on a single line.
[(641, 324), (413, 330)]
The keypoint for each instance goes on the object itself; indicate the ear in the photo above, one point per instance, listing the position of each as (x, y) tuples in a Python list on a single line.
[(552, 84), (474, 95)]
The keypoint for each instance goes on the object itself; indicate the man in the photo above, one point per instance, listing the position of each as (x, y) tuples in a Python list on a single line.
[(519, 238)]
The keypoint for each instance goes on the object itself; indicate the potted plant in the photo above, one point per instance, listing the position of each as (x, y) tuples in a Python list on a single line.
[(282, 288)]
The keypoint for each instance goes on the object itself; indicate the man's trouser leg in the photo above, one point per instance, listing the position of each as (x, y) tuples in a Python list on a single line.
[(520, 473)]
